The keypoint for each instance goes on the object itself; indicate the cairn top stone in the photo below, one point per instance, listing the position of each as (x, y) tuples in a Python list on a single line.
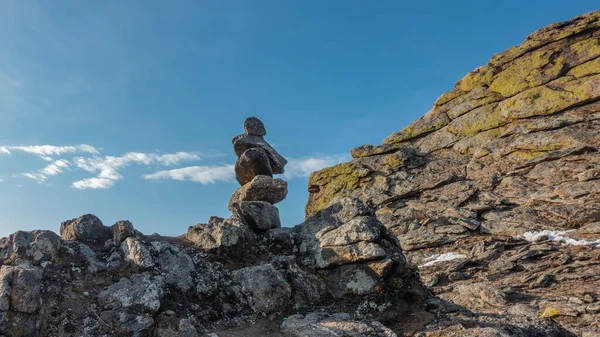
[(254, 126)]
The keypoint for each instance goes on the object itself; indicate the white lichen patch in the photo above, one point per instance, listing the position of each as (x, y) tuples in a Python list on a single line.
[(559, 236), (437, 258)]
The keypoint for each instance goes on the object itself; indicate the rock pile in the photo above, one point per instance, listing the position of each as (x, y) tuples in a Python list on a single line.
[(252, 205), (257, 161)]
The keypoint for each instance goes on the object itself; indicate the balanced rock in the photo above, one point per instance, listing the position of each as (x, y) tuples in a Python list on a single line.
[(251, 163), (261, 188), (253, 138), (260, 215), (254, 126)]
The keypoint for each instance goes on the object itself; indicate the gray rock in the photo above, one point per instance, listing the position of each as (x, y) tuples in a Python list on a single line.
[(261, 188), (87, 228), (321, 324), (219, 232), (177, 268), (362, 228), (244, 142), (259, 215), (254, 126), (137, 253), (139, 294), (122, 230), (37, 246), (251, 163), (20, 289), (265, 288), (353, 253)]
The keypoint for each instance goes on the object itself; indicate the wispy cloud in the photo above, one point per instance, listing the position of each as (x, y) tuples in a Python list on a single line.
[(53, 169), (108, 167), (45, 151), (199, 174), (296, 168)]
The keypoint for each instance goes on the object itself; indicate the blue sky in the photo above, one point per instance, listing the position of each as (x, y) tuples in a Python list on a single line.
[(126, 109)]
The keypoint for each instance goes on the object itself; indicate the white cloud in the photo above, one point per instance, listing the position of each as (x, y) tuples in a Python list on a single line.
[(199, 174), (303, 167), (1, 180), (94, 183), (53, 169), (45, 151), (108, 167)]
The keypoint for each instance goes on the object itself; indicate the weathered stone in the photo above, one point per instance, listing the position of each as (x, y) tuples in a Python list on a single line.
[(20, 289), (259, 215), (177, 268), (265, 287), (87, 228), (220, 232), (260, 188), (139, 294), (333, 325), (137, 253), (244, 142), (254, 127), (253, 162), (122, 230), (358, 252), (363, 228)]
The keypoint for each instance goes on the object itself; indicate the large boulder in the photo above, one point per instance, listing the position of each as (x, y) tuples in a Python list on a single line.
[(87, 228), (354, 252), (251, 163)]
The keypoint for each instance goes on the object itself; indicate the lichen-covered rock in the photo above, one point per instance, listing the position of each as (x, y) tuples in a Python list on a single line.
[(219, 232), (265, 287), (87, 228), (20, 289), (33, 246), (513, 147), (141, 293), (177, 268), (137, 253)]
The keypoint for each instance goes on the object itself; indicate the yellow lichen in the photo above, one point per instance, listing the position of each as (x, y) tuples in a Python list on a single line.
[(481, 119), (549, 312), (551, 98), (477, 78), (332, 182), (586, 69), (432, 121), (528, 71)]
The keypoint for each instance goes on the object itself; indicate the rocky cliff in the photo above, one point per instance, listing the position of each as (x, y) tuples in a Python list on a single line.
[(479, 219)]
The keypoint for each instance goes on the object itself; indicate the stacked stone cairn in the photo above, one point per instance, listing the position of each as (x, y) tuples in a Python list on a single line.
[(257, 162)]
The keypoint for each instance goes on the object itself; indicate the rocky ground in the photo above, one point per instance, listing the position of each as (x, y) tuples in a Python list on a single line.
[(479, 219)]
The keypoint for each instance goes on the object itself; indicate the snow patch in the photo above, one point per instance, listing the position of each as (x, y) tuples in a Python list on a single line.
[(436, 258), (558, 236)]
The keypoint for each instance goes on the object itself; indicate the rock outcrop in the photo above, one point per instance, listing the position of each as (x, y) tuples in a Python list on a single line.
[(457, 225), (511, 150)]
